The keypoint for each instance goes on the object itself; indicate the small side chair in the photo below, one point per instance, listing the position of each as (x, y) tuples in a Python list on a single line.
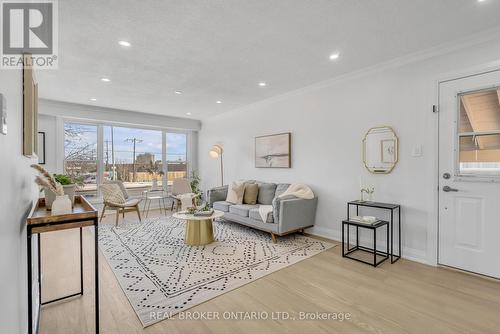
[(116, 197)]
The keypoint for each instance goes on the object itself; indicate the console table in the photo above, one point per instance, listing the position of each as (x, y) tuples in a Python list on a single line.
[(41, 221), (383, 206)]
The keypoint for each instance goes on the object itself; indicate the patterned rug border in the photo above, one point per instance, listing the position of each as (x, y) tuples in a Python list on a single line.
[(136, 224)]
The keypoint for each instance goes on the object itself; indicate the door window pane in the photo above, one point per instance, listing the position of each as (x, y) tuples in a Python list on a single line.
[(176, 156), (479, 133), (133, 156), (80, 154)]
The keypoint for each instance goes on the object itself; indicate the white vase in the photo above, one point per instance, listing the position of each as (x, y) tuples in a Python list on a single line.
[(61, 205), (50, 196)]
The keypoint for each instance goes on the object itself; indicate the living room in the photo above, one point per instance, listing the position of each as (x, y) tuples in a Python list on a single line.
[(242, 166)]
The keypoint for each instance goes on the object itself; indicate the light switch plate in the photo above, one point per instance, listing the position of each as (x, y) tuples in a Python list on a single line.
[(417, 151)]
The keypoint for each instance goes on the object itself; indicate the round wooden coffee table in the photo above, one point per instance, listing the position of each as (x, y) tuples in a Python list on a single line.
[(199, 229)]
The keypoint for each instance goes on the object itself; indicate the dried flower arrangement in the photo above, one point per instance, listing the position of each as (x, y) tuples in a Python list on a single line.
[(45, 180)]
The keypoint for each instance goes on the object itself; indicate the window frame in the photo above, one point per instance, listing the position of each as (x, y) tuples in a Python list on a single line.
[(100, 145), (475, 177)]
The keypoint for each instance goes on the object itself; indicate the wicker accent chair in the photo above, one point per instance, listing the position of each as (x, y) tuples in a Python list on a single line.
[(116, 197)]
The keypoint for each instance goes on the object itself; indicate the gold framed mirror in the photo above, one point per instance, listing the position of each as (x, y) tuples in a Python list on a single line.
[(380, 150)]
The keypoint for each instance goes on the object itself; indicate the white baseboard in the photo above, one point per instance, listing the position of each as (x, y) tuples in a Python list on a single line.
[(408, 253)]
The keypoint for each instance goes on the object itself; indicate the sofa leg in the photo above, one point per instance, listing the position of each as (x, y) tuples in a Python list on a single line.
[(273, 237)]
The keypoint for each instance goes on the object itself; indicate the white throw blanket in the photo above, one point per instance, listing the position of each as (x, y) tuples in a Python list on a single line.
[(298, 190), (186, 200)]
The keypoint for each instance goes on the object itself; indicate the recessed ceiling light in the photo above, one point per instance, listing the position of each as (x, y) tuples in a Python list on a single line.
[(188, 113), (93, 99), (334, 56), (124, 43), (481, 0), (105, 79), (262, 84), (178, 92), (218, 102)]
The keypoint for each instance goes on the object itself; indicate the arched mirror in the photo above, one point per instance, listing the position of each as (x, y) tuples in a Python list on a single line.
[(380, 150)]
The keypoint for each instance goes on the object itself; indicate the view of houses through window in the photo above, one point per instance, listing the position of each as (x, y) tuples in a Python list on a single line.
[(131, 155)]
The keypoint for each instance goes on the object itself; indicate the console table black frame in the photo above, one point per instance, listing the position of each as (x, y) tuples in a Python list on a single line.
[(41, 221), (384, 206), (373, 250)]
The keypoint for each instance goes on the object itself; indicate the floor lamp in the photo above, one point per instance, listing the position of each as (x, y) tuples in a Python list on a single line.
[(216, 152)]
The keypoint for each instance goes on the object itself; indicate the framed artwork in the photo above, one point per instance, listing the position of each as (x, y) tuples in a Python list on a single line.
[(41, 148), (273, 151), (30, 109), (388, 153)]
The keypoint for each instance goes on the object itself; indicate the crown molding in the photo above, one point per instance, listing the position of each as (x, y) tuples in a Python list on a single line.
[(463, 43)]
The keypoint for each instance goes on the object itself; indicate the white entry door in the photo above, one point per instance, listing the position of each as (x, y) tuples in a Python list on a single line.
[(469, 173)]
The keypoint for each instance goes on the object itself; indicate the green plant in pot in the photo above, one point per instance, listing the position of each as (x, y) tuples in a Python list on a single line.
[(154, 170), (57, 183), (69, 185), (195, 183)]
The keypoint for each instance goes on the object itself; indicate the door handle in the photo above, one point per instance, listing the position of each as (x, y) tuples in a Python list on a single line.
[(447, 189)]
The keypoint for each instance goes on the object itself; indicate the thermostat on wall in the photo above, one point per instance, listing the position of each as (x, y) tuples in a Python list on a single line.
[(3, 115)]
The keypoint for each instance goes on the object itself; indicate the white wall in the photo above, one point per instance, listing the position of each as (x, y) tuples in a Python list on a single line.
[(17, 193), (328, 122)]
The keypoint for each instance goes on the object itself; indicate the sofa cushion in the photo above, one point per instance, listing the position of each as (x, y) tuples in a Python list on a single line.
[(281, 188), (266, 193), (251, 192), (241, 209), (254, 214), (235, 192), (222, 206)]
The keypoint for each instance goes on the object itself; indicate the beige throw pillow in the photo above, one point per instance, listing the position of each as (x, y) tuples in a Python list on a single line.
[(251, 193), (235, 193), (112, 193)]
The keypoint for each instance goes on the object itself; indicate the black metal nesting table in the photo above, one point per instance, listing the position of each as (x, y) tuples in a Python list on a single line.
[(383, 206)]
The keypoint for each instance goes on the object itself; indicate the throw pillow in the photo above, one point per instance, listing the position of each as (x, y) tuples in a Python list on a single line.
[(112, 193), (266, 193), (251, 192), (235, 193)]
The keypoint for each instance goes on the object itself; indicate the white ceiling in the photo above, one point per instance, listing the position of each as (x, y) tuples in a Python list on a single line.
[(220, 49)]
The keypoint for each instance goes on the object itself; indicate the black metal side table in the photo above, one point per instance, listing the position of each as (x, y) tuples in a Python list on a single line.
[(374, 251), (384, 206)]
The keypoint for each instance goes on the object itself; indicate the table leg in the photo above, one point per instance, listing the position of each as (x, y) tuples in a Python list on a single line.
[(357, 236), (375, 247), (399, 229), (343, 250), (199, 232), (81, 261), (392, 235), (30, 282), (39, 252), (96, 260)]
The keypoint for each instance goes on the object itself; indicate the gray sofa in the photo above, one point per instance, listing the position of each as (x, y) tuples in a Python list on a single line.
[(290, 214)]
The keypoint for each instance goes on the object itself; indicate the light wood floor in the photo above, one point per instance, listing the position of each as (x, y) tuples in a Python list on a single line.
[(405, 297)]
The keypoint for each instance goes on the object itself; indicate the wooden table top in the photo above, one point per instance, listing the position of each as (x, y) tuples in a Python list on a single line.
[(81, 210)]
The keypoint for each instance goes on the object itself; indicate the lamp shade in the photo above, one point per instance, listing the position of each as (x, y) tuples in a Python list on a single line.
[(216, 151)]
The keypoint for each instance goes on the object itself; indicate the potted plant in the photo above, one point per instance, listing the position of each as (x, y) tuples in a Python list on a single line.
[(155, 171), (69, 185), (60, 203), (195, 183), (54, 184)]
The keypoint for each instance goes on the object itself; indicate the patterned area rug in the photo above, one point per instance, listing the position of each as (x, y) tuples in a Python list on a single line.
[(161, 276)]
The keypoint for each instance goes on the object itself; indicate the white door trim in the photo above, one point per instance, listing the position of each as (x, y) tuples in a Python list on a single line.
[(433, 229)]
